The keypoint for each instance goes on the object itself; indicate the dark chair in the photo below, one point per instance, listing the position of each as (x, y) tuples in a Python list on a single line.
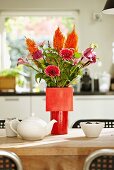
[(109, 123), (2, 124), (102, 159), (9, 161)]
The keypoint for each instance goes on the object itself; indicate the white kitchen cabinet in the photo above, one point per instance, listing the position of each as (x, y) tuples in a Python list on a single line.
[(92, 107), (14, 106), (39, 107), (85, 107)]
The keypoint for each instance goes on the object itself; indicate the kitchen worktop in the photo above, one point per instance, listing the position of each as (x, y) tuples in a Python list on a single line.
[(43, 93)]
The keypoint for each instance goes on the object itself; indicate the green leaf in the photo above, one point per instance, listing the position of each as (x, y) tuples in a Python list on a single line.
[(73, 69), (39, 75), (12, 72), (39, 64), (77, 55), (51, 84), (64, 76)]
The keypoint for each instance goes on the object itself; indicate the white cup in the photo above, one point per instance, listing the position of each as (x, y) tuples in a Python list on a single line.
[(92, 129), (9, 131)]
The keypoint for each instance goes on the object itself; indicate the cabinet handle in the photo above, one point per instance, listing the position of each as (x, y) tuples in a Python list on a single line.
[(11, 99)]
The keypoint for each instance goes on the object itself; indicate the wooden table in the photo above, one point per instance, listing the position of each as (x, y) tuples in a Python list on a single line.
[(62, 152)]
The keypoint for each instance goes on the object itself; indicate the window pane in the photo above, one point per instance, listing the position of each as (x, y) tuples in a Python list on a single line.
[(39, 28)]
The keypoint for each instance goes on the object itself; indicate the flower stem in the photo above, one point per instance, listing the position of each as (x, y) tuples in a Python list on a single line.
[(34, 69)]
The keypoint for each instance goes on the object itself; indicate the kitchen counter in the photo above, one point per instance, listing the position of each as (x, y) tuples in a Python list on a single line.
[(43, 93), (66, 152)]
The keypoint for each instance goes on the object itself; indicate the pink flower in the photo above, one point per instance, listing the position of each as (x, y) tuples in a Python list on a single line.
[(90, 55), (52, 71), (66, 53), (22, 61), (37, 55)]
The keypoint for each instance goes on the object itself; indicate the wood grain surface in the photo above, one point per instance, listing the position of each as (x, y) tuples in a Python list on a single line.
[(62, 152)]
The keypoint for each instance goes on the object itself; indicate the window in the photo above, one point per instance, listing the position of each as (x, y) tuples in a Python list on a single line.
[(15, 26)]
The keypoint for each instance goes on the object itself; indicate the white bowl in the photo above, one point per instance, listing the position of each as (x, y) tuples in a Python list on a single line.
[(92, 129)]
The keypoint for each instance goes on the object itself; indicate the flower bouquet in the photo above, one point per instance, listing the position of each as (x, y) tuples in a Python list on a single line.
[(59, 65)]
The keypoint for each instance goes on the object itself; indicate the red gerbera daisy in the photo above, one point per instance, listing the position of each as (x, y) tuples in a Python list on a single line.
[(66, 53), (52, 71)]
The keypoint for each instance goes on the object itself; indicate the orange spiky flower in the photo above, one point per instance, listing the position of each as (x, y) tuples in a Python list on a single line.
[(31, 45), (58, 40), (72, 40)]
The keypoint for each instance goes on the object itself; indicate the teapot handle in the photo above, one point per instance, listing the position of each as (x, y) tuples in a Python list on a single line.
[(11, 126)]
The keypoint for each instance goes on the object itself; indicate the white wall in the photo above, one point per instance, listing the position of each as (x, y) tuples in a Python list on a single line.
[(101, 32)]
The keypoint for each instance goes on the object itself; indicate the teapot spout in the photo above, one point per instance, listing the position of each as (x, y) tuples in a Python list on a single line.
[(50, 126)]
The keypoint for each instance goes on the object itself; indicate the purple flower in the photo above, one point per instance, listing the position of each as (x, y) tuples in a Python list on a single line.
[(89, 55), (37, 55)]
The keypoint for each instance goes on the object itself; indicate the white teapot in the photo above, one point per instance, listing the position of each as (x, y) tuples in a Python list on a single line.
[(33, 128)]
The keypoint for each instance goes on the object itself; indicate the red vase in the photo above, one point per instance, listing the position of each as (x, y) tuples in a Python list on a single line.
[(61, 127), (59, 101)]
